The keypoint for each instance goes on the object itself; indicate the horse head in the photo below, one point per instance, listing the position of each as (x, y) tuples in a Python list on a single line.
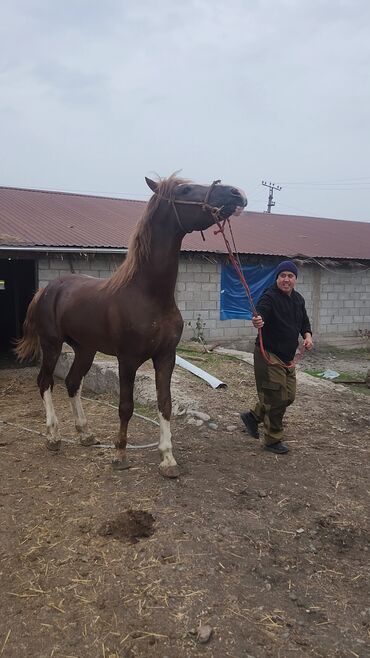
[(196, 207)]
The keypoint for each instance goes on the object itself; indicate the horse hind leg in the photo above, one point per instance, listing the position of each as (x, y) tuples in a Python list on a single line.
[(163, 373), (45, 381), (74, 381)]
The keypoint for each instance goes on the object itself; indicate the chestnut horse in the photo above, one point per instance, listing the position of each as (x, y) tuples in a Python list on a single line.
[(132, 315)]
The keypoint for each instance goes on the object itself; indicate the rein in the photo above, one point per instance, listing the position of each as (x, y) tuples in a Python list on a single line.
[(235, 261)]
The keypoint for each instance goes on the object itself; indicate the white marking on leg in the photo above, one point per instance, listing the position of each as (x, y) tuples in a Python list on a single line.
[(78, 412), (165, 443), (85, 436), (52, 430)]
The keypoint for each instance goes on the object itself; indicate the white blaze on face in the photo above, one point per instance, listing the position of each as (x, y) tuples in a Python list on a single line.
[(51, 419), (165, 444)]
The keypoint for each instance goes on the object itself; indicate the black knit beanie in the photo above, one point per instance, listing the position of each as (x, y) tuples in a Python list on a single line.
[(286, 266)]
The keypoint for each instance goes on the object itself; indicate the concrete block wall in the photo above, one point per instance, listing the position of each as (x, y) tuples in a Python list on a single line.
[(337, 301), (198, 295), (99, 265), (344, 301)]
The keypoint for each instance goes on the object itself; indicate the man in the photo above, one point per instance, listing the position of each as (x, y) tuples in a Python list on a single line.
[(282, 317)]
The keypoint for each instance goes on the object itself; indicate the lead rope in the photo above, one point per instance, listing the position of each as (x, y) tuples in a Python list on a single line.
[(235, 261)]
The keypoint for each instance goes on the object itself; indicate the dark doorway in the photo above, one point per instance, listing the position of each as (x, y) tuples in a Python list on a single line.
[(17, 286)]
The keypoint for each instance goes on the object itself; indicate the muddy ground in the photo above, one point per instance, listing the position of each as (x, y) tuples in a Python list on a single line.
[(245, 555)]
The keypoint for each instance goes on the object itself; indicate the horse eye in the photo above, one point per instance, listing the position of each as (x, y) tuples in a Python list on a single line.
[(186, 189)]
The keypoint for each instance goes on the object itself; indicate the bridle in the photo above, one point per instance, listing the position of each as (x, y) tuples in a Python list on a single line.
[(214, 210)]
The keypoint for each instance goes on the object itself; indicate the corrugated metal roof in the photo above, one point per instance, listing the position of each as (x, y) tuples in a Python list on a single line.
[(35, 218)]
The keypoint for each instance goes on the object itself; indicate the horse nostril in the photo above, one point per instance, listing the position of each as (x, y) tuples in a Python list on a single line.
[(235, 191)]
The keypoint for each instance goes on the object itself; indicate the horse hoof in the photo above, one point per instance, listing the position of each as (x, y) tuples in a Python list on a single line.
[(88, 440), (120, 464), (52, 445), (169, 471)]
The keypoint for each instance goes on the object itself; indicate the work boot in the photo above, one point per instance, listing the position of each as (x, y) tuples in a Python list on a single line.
[(250, 424), (278, 448)]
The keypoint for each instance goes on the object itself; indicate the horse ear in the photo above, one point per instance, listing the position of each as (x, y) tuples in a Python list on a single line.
[(152, 184)]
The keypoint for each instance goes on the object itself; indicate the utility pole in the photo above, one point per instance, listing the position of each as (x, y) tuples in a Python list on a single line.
[(271, 187)]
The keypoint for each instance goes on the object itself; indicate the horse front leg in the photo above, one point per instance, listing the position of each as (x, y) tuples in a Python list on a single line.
[(126, 407), (164, 366)]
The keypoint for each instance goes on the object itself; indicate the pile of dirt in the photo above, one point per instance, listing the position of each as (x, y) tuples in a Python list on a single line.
[(131, 525)]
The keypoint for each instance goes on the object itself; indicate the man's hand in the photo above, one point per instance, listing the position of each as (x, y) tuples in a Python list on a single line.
[(257, 322), (307, 342)]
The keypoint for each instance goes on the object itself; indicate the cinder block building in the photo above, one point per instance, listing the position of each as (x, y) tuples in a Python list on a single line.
[(45, 234)]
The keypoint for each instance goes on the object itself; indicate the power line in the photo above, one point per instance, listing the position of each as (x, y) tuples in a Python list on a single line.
[(329, 186), (363, 180)]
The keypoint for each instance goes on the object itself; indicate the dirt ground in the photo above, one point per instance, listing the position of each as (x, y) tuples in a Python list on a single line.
[(246, 555)]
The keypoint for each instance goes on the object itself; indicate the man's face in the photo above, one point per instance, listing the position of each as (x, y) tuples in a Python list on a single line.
[(286, 282)]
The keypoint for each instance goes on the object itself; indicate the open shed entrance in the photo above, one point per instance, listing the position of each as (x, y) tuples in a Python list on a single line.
[(17, 286)]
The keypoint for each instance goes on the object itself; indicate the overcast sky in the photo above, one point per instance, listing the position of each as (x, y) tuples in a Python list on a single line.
[(95, 95)]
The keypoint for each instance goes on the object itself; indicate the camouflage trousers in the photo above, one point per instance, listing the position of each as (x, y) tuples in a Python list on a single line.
[(276, 388)]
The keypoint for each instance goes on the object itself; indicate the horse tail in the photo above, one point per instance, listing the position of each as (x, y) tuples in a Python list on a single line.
[(28, 347)]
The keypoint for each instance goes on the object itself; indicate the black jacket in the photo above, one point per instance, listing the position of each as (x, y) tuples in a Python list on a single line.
[(285, 317)]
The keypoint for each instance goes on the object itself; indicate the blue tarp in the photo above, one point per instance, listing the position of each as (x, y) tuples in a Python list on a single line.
[(234, 303)]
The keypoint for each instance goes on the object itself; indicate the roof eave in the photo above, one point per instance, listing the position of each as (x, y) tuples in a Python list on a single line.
[(62, 249)]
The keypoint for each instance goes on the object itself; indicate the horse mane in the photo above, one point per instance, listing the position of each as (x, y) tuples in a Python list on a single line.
[(140, 240)]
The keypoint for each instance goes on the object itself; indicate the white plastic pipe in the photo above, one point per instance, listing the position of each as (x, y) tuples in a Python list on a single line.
[(210, 379)]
